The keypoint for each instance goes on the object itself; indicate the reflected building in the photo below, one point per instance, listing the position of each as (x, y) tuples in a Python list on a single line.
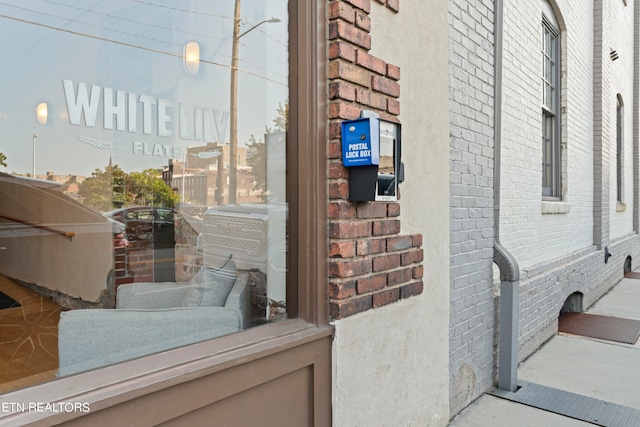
[(202, 177)]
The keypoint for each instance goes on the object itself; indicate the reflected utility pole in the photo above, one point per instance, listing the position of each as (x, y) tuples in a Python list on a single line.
[(33, 156), (233, 103), (233, 108)]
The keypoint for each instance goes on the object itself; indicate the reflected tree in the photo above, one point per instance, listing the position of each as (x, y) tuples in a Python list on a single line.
[(113, 188), (104, 189), (148, 189), (281, 122), (256, 159), (257, 150)]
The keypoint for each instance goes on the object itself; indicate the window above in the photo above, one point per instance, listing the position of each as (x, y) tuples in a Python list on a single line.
[(549, 67), (549, 14), (550, 100)]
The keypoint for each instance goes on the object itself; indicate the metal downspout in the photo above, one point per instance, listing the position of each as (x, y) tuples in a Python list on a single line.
[(636, 117), (509, 270)]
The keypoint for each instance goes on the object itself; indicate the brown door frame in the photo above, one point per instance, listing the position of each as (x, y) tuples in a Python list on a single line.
[(307, 147)]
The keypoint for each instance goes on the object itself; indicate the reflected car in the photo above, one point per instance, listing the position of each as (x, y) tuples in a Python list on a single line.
[(150, 225)]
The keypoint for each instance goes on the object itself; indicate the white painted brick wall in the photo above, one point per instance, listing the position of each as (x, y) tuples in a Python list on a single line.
[(471, 346), (530, 235), (622, 83), (556, 252)]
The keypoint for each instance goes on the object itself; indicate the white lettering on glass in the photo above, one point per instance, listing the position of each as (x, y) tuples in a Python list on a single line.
[(147, 102), (118, 110), (80, 102), (222, 121), (219, 120), (209, 123), (206, 124), (133, 112), (197, 123), (184, 131), (164, 117), (158, 150)]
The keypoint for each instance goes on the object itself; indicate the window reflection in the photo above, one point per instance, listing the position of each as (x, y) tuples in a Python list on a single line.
[(135, 177)]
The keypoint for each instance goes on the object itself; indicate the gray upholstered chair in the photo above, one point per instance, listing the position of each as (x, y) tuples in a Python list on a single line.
[(153, 317)]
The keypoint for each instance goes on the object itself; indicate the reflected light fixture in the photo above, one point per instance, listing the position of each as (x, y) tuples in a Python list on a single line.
[(191, 58), (42, 113)]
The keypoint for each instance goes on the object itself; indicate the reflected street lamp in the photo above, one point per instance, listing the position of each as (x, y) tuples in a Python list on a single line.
[(42, 113), (233, 104), (191, 58)]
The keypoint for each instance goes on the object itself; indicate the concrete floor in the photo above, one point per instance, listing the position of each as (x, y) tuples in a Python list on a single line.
[(604, 370)]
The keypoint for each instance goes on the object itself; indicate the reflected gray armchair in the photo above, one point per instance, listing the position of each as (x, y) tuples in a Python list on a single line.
[(153, 317)]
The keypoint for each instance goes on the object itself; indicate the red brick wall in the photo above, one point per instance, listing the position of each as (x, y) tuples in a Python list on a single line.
[(133, 264), (371, 264)]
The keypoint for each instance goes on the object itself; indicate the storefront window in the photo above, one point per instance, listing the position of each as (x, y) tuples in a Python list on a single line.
[(142, 178)]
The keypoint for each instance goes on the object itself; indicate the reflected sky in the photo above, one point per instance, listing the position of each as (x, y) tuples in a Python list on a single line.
[(113, 77)]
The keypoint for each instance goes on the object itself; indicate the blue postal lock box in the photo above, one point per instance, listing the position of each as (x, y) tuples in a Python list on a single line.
[(361, 142), (371, 152)]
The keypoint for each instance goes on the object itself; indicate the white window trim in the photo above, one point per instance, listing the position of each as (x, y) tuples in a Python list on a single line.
[(553, 207), (549, 14), (556, 160)]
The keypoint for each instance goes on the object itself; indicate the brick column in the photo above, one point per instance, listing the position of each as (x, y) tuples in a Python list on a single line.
[(603, 129), (371, 264)]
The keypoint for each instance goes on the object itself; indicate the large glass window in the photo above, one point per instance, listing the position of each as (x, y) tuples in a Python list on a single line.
[(550, 116), (143, 178)]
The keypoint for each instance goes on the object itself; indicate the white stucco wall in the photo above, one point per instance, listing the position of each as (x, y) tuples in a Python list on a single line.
[(391, 364)]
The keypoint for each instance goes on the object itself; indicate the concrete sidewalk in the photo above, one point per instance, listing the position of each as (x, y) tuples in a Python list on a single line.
[(604, 370)]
